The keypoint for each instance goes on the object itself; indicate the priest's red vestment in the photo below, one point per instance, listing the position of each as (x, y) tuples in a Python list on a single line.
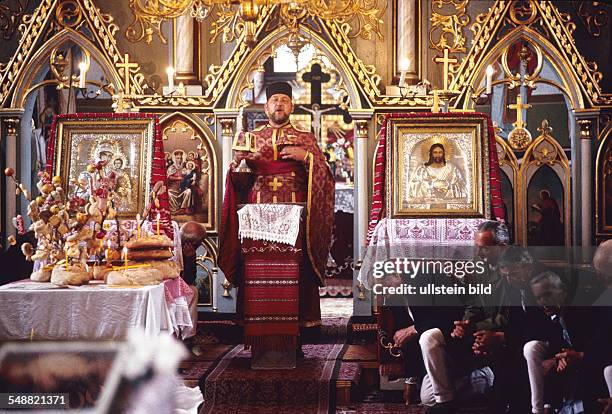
[(308, 182)]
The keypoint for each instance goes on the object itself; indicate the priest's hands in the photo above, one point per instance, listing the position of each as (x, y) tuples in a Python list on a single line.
[(293, 153), (242, 155)]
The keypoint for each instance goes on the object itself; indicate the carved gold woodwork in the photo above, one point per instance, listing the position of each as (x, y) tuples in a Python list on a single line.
[(448, 19), (234, 18), (520, 137), (11, 125), (531, 18), (594, 15)]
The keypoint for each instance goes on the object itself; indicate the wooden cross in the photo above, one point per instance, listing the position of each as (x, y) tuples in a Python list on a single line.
[(519, 106), (126, 67), (316, 77), (275, 184), (445, 60)]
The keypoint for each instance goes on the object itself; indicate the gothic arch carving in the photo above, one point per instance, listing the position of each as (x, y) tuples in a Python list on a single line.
[(191, 135), (264, 49), (562, 67), (41, 58), (544, 151)]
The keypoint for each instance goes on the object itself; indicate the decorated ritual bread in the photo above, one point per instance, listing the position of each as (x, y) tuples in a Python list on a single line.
[(150, 262)]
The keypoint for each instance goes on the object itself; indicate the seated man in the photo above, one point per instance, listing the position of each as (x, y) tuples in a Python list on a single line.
[(447, 355), (501, 323), (565, 349)]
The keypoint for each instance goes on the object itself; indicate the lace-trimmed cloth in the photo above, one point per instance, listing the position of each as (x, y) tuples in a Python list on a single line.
[(271, 222)]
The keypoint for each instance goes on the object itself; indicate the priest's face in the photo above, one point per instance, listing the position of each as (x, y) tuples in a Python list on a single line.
[(278, 108)]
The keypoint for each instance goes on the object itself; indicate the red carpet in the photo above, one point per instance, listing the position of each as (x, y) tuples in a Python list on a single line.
[(233, 387)]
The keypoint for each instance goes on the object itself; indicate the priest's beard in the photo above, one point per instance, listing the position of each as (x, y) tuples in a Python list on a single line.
[(279, 117)]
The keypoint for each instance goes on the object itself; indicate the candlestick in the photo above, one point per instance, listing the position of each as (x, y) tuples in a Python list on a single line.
[(83, 74), (170, 73), (158, 217), (138, 223), (125, 256), (489, 79), (31, 334)]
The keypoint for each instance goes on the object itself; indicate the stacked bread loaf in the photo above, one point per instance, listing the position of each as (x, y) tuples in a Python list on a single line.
[(150, 262)]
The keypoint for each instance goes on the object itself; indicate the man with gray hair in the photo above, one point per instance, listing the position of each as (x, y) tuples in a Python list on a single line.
[(447, 350), (565, 349)]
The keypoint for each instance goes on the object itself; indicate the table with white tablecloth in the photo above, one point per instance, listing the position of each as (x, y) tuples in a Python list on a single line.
[(95, 311)]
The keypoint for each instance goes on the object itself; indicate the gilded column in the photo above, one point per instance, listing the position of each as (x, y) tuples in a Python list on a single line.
[(361, 303), (406, 38), (223, 292), (185, 44), (227, 136), (11, 127), (586, 165)]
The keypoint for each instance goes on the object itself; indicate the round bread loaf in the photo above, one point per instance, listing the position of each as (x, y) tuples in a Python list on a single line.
[(135, 276), (140, 255), (150, 243), (75, 275)]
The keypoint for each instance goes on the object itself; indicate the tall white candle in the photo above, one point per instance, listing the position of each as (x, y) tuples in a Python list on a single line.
[(402, 78), (489, 79), (170, 72), (82, 74)]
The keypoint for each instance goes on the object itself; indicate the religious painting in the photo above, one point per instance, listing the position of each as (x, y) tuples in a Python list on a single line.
[(190, 172), (337, 143), (604, 188), (437, 167), (545, 214), (124, 145)]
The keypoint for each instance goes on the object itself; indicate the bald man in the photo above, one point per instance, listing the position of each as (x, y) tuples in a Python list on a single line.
[(192, 235)]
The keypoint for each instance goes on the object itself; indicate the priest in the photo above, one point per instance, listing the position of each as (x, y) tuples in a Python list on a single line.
[(281, 191)]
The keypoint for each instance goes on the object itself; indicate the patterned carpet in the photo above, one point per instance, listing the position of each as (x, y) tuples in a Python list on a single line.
[(222, 368), (232, 385)]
